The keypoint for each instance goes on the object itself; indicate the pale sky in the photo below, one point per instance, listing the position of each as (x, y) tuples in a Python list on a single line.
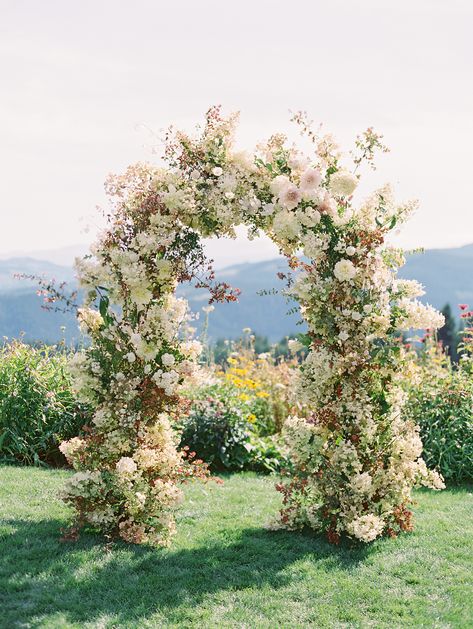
[(87, 86)]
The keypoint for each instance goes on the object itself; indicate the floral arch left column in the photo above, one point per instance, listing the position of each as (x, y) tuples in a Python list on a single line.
[(128, 468)]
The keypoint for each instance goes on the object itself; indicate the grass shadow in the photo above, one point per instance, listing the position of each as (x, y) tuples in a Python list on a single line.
[(89, 580)]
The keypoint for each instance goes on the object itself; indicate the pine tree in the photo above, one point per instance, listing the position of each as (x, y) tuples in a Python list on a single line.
[(448, 333)]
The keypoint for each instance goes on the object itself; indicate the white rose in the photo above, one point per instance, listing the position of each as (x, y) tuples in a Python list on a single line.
[(130, 357), (309, 217), (344, 270), (343, 336), (278, 184), (350, 251), (217, 171), (285, 225), (290, 197)]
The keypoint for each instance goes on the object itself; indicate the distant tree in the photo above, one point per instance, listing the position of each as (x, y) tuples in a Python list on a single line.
[(220, 351), (222, 348), (261, 344), (448, 333), (459, 337)]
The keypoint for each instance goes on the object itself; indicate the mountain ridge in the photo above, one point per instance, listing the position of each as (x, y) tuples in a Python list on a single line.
[(445, 273)]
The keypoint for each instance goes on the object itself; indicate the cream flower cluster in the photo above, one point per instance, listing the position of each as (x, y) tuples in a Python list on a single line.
[(355, 458), (366, 528)]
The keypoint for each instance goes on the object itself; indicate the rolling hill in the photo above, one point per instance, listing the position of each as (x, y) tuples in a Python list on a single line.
[(445, 273)]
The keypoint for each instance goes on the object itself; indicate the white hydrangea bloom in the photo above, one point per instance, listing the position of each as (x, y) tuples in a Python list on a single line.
[(366, 528), (343, 183), (344, 270), (126, 465)]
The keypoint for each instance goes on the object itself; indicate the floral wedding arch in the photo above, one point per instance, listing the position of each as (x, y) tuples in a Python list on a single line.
[(356, 459)]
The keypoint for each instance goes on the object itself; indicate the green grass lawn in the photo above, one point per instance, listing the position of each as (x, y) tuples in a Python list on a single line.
[(226, 570)]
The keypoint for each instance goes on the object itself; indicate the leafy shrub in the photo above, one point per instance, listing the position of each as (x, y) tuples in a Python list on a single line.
[(441, 403), (218, 433), (38, 409), (446, 422), (222, 433), (235, 421)]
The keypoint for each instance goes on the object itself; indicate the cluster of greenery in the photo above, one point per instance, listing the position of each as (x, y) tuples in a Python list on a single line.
[(230, 434), (235, 420), (38, 409), (441, 403)]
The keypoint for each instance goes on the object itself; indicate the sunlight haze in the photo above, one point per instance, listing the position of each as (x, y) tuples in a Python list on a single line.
[(88, 88)]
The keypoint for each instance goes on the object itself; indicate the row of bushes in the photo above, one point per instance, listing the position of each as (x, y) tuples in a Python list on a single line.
[(235, 416), (234, 421)]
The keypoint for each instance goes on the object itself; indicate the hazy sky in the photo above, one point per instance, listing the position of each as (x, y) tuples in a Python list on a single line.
[(86, 85)]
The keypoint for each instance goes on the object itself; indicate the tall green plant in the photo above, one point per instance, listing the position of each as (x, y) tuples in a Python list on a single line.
[(38, 409), (441, 403)]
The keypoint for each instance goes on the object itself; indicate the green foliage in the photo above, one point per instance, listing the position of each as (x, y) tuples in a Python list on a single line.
[(234, 423), (38, 409), (217, 433), (446, 423), (442, 405), (267, 453), (225, 435)]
